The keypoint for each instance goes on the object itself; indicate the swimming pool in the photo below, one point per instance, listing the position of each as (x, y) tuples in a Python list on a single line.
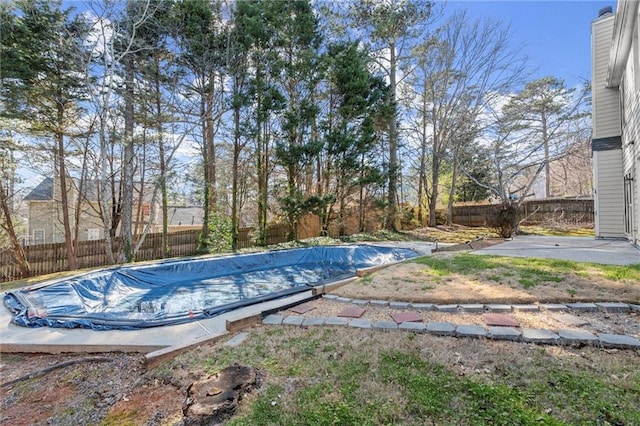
[(178, 291)]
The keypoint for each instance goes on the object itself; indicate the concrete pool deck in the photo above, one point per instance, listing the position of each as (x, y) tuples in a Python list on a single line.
[(159, 341), (581, 249)]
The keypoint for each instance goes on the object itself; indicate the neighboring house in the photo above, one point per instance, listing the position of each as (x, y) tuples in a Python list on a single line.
[(616, 121), (183, 218), (45, 218)]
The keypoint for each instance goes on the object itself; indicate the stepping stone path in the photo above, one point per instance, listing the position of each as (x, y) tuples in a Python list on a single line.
[(500, 325), (406, 317), (500, 320), (351, 312)]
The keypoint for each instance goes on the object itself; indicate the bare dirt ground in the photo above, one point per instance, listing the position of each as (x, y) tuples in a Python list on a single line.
[(116, 388)]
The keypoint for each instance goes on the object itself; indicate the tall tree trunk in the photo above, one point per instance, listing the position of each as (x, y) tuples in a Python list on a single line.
[(204, 234), (166, 250), (126, 226), (452, 192), (435, 173), (547, 168), (422, 174), (261, 157), (211, 148), (361, 209), (106, 192), (18, 252), (393, 145), (234, 184), (66, 220)]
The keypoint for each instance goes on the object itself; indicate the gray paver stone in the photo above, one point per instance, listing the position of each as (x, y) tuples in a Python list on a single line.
[(379, 302), (441, 328), (330, 296), (293, 320), (526, 308), (311, 321), (583, 307), (571, 320), (619, 341), (447, 308), (236, 340), (572, 336), (465, 330), (385, 325), (360, 302), (499, 308), (473, 308), (336, 321), (503, 333), (272, 319), (417, 327), (422, 306), (360, 323), (613, 307), (635, 308), (536, 335), (554, 307), (343, 299), (399, 305)]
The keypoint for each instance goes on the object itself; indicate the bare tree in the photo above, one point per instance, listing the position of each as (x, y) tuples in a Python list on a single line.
[(545, 109), (7, 178), (468, 66)]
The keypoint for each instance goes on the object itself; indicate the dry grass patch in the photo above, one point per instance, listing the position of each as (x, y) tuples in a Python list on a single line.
[(466, 278)]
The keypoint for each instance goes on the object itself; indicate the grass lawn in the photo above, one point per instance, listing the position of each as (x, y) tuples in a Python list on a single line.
[(339, 376)]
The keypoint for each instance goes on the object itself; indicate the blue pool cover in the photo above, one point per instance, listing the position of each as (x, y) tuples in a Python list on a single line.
[(174, 292)]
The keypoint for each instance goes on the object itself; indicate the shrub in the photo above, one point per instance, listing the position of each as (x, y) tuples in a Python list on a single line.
[(504, 219), (218, 239)]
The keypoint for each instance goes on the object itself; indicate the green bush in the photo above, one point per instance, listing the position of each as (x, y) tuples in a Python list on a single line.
[(218, 239)]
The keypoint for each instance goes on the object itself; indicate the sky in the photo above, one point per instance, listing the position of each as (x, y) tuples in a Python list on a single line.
[(556, 35)]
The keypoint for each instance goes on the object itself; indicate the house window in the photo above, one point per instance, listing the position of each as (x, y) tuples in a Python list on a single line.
[(146, 210), (93, 234), (38, 236)]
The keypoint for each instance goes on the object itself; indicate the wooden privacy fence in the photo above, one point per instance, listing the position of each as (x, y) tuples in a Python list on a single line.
[(50, 258), (533, 211)]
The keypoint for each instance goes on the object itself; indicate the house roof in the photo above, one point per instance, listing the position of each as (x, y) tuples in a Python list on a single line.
[(185, 216), (42, 192)]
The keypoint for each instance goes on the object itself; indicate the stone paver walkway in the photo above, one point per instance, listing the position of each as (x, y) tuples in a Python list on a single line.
[(504, 331)]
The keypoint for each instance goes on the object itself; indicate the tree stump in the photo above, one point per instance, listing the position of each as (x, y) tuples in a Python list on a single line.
[(216, 398)]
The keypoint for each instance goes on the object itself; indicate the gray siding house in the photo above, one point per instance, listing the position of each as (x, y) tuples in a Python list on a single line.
[(615, 79)]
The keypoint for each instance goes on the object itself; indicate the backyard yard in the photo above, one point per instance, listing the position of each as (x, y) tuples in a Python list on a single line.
[(346, 376)]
